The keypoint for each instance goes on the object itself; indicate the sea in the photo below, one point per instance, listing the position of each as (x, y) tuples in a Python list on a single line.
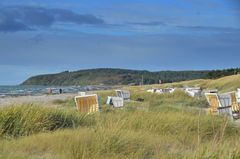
[(19, 90)]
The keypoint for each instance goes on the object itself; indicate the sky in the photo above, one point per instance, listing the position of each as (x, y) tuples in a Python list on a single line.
[(42, 36)]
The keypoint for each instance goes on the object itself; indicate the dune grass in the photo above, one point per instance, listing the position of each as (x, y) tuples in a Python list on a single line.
[(163, 126), (28, 119), (137, 134), (228, 83)]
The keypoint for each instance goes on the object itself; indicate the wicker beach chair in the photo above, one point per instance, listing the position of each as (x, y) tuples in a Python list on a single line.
[(87, 103), (222, 104), (123, 94)]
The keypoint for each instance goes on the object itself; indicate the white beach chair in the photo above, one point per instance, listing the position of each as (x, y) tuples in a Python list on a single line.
[(160, 91), (194, 92), (168, 90), (117, 102), (172, 90), (165, 90), (87, 103), (123, 94), (81, 93), (151, 90)]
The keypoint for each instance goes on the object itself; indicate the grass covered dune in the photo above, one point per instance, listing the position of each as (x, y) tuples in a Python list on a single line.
[(116, 134), (163, 126)]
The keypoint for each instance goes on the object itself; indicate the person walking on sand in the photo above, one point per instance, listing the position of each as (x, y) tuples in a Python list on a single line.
[(60, 91)]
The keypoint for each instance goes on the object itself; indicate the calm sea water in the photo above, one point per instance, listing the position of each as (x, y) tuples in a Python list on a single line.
[(39, 90)]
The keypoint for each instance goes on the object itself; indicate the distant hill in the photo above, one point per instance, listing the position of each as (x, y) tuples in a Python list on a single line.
[(113, 77), (108, 76)]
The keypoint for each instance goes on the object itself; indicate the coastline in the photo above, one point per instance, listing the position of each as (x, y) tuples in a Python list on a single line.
[(38, 99), (11, 95)]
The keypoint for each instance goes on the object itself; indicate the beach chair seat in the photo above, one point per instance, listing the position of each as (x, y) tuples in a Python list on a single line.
[(87, 103), (123, 94), (213, 102)]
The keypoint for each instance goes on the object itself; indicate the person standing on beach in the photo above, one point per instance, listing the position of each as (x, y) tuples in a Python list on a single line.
[(60, 91)]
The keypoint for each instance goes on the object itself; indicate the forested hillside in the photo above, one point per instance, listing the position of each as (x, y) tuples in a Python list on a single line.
[(108, 76), (113, 77)]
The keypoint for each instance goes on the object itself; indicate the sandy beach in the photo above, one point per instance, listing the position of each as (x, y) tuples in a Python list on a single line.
[(41, 99)]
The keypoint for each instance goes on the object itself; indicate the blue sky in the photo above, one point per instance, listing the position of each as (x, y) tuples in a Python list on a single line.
[(42, 36)]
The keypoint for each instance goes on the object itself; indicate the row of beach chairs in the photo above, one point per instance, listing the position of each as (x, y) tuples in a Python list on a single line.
[(191, 91), (219, 104), (161, 91), (224, 104), (91, 103)]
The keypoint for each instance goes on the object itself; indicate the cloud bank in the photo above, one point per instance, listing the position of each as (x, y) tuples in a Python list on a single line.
[(26, 18)]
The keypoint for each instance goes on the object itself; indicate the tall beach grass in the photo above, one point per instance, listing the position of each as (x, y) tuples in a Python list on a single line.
[(163, 126)]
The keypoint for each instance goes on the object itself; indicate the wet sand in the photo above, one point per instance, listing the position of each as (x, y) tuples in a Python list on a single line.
[(41, 99)]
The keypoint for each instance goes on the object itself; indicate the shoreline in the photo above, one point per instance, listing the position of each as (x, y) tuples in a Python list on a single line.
[(38, 99)]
